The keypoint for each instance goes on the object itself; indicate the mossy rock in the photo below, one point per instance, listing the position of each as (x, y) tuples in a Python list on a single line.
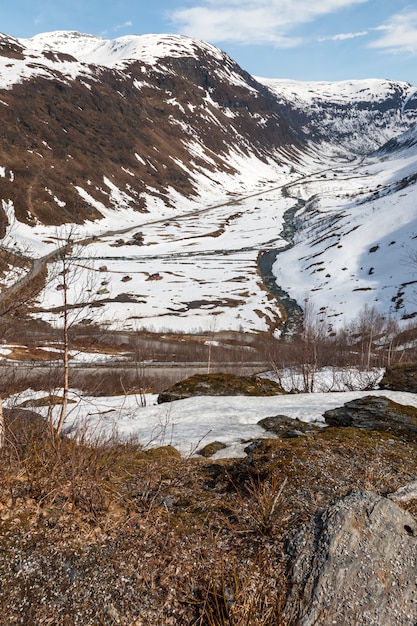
[(51, 400), (162, 452), (375, 413), (220, 385), (401, 377), (287, 427), (211, 448)]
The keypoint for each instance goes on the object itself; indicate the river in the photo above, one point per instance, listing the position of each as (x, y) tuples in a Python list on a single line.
[(266, 260)]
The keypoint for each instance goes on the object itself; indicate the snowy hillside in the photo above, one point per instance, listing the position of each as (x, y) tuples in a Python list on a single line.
[(361, 115), (355, 239)]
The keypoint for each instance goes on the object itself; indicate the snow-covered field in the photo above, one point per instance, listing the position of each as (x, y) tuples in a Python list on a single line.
[(195, 271), (190, 424)]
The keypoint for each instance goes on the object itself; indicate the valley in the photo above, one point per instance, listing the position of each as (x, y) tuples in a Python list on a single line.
[(206, 211), (208, 339), (178, 191)]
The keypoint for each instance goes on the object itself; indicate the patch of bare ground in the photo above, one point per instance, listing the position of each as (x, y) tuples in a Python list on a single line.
[(23, 353), (114, 534)]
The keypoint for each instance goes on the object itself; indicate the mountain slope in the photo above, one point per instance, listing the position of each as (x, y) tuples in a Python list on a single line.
[(356, 116), (149, 124), (355, 237)]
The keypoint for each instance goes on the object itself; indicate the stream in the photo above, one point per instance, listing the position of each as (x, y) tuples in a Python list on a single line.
[(266, 260)]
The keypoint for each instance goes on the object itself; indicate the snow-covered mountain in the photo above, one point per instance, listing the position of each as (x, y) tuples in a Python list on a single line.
[(93, 124), (168, 136), (358, 115)]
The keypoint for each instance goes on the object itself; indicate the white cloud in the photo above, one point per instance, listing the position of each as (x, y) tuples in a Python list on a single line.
[(124, 25), (252, 21), (399, 34), (343, 36)]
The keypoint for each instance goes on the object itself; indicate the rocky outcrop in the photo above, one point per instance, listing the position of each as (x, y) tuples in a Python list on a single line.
[(401, 377), (220, 385), (406, 493), (355, 564), (211, 448), (375, 413)]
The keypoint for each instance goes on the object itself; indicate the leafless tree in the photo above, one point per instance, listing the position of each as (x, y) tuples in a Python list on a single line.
[(75, 282)]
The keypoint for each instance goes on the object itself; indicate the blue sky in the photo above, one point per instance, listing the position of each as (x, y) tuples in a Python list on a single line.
[(300, 39)]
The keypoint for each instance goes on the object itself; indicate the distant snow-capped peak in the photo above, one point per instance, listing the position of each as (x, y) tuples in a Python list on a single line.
[(308, 92), (68, 42), (109, 52)]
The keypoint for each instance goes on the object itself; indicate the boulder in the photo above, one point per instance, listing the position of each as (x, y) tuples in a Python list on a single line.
[(211, 448), (287, 427), (355, 564), (375, 413), (220, 385)]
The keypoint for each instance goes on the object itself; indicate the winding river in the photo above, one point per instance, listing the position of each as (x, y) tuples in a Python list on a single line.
[(266, 260)]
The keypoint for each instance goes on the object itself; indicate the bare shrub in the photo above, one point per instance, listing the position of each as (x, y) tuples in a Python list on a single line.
[(355, 352)]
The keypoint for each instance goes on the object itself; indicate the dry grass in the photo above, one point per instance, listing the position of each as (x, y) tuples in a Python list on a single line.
[(114, 534)]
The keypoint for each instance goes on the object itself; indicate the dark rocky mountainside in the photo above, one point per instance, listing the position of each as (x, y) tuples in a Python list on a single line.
[(76, 127), (145, 127)]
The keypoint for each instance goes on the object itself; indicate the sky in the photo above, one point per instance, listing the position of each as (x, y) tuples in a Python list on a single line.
[(299, 39)]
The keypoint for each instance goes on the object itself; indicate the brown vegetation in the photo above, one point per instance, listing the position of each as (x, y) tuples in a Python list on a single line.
[(111, 533), (53, 138)]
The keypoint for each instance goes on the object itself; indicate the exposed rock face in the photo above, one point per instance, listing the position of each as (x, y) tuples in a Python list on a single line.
[(287, 427), (220, 385), (401, 377), (375, 413), (356, 564), (405, 493)]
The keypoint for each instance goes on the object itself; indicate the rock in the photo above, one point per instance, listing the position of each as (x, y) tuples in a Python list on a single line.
[(287, 427), (355, 564), (162, 452), (405, 494), (401, 377), (253, 446), (211, 448), (375, 413), (220, 385)]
